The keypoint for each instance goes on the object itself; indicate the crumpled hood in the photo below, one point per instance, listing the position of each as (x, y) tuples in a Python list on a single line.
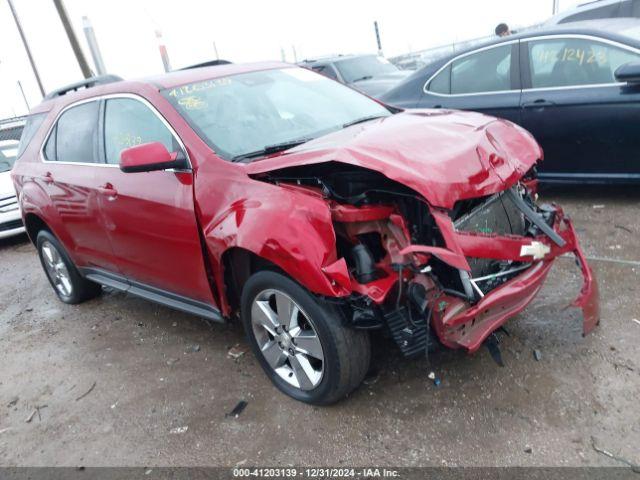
[(444, 155)]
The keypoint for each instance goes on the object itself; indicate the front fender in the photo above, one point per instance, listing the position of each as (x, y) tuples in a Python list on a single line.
[(289, 228)]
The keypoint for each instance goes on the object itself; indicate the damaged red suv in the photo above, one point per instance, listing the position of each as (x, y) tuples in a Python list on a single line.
[(308, 210)]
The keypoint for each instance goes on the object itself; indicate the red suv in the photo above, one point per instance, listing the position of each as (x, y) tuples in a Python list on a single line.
[(308, 210)]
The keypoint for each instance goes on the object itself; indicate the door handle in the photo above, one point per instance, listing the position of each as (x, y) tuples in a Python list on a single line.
[(539, 103), (48, 178), (108, 190)]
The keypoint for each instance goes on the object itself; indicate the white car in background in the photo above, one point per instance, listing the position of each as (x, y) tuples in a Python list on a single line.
[(10, 217)]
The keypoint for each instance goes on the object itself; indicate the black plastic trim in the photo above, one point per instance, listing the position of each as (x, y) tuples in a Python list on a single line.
[(153, 294)]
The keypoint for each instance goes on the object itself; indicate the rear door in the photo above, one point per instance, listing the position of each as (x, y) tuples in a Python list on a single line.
[(150, 216), (586, 122), (70, 178), (486, 80)]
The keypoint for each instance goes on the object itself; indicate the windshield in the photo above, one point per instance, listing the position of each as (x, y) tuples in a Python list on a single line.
[(248, 112), (8, 154), (362, 68)]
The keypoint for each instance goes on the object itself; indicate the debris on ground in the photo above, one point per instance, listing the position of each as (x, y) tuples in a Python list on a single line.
[(635, 320), (29, 309), (171, 361), (528, 449), (38, 408), (371, 379), (174, 324), (606, 453), (12, 402), (193, 348), (179, 429), (87, 392), (30, 417), (598, 206), (537, 354), (622, 227), (237, 410), (434, 379), (236, 351), (3, 430)]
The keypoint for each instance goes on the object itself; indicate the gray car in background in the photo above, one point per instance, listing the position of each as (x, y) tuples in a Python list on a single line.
[(371, 74)]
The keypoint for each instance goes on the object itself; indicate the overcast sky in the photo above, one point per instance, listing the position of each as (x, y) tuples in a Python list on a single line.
[(243, 31)]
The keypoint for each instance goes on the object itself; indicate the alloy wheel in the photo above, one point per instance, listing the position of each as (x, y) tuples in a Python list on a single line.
[(287, 339), (56, 269)]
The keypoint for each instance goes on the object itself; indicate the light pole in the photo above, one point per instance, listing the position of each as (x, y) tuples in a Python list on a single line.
[(73, 40), (26, 47), (93, 46)]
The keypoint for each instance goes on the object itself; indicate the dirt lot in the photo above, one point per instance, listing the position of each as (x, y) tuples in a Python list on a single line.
[(164, 380)]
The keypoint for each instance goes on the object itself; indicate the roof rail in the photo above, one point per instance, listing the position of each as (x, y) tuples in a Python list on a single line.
[(86, 83), (210, 63)]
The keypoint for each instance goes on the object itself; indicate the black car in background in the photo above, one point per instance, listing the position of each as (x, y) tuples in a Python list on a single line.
[(575, 87), (371, 74)]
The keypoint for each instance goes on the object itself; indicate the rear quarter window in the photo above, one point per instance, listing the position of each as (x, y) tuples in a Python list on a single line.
[(30, 129)]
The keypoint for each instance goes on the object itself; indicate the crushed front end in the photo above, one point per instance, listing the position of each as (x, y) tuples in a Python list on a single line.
[(420, 270), (461, 272)]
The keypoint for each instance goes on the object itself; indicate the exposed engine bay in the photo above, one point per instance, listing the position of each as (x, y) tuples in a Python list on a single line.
[(414, 267)]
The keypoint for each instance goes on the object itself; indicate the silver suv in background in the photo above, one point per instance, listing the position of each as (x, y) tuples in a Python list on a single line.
[(10, 218), (371, 74)]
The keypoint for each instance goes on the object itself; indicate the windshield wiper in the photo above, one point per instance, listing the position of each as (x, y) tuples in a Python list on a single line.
[(275, 148), (362, 120), (366, 77)]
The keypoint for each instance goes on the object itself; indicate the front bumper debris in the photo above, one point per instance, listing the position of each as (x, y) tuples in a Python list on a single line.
[(460, 325)]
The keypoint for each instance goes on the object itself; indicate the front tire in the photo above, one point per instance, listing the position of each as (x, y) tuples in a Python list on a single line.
[(300, 341), (62, 274)]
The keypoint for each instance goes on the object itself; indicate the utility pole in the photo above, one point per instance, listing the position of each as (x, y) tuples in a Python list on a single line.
[(215, 49), (26, 47), (73, 40), (375, 25), (556, 6), (163, 52), (93, 46)]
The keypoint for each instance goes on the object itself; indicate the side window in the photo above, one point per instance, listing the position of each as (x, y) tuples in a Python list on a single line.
[(575, 61), (441, 83), (485, 71), (128, 123), (74, 137)]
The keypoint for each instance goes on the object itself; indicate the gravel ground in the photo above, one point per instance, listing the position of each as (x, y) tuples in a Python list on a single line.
[(120, 381)]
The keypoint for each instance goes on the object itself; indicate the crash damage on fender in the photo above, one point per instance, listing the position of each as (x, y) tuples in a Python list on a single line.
[(435, 228)]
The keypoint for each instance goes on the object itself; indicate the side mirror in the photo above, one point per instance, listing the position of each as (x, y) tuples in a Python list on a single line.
[(150, 157), (628, 73)]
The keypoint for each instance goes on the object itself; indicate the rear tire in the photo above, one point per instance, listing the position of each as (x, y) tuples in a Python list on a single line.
[(304, 349), (62, 274)]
